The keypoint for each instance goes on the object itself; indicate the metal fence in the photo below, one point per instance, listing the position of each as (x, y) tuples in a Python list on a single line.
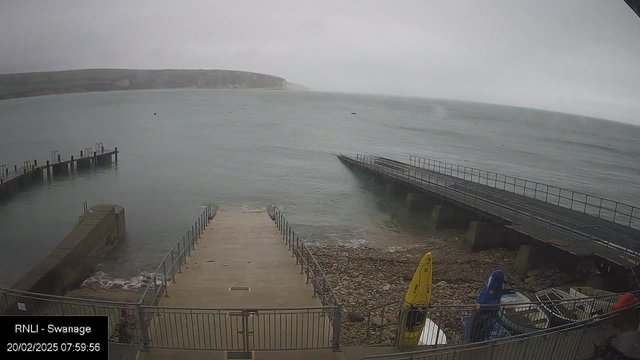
[(571, 341), (7, 174), (314, 274), (604, 242), (172, 262), (620, 213), (389, 324), (308, 263), (124, 318), (241, 329)]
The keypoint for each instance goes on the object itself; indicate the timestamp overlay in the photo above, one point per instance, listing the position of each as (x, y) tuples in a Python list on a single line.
[(40, 337)]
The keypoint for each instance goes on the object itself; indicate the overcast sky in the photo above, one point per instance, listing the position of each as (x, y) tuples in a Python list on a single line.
[(579, 56)]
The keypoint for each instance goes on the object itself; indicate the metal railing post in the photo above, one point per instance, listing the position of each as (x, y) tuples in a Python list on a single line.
[(164, 278), (308, 263), (173, 267), (142, 325), (187, 249), (179, 258), (337, 327), (194, 236)]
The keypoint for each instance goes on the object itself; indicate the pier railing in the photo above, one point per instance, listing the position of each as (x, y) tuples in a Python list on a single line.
[(177, 256), (147, 324), (544, 228), (242, 330), (124, 318), (283, 328), (314, 274), (458, 324), (577, 340), (615, 211)]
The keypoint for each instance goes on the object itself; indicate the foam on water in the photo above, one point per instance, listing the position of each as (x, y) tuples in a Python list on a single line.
[(104, 280)]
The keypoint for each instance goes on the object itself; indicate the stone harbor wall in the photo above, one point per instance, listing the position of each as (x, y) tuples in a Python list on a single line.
[(96, 233)]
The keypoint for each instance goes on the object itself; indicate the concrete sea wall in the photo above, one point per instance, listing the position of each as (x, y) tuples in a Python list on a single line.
[(96, 233)]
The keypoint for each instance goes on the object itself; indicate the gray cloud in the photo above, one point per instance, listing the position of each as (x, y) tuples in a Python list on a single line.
[(578, 56)]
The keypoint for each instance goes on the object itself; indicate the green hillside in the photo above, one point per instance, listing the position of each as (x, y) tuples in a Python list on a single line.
[(76, 81)]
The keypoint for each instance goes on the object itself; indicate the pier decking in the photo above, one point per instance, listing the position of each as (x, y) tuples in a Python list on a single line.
[(15, 178), (241, 290), (241, 250), (581, 233)]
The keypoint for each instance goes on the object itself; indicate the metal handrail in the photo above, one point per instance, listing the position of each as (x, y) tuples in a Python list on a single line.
[(314, 274), (56, 158), (234, 309), (594, 304), (503, 211), (492, 179), (578, 325), (64, 299), (306, 260), (178, 255)]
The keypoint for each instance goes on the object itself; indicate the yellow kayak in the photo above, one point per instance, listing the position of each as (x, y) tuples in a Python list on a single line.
[(419, 293)]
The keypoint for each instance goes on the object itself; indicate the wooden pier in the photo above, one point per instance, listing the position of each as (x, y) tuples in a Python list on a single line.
[(15, 178)]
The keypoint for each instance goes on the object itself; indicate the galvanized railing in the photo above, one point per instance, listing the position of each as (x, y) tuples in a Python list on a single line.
[(148, 325), (243, 330), (124, 318), (458, 324), (308, 263), (611, 210), (172, 262), (314, 274), (604, 242), (56, 158), (571, 341)]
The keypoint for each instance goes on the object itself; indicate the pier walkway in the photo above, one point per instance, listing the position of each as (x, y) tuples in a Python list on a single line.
[(241, 251), (566, 220), (14, 178), (242, 289)]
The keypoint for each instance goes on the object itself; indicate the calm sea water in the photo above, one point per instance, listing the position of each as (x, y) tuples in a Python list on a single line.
[(246, 149)]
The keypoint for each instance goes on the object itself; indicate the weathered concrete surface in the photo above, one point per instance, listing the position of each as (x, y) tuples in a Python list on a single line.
[(450, 217), (528, 258), (96, 233), (484, 235), (418, 201), (241, 250), (397, 189)]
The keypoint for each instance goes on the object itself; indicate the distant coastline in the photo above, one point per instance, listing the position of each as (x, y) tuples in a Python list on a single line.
[(90, 80)]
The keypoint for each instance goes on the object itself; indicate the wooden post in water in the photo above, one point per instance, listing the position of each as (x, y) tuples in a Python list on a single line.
[(71, 163), (48, 171), (116, 154)]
